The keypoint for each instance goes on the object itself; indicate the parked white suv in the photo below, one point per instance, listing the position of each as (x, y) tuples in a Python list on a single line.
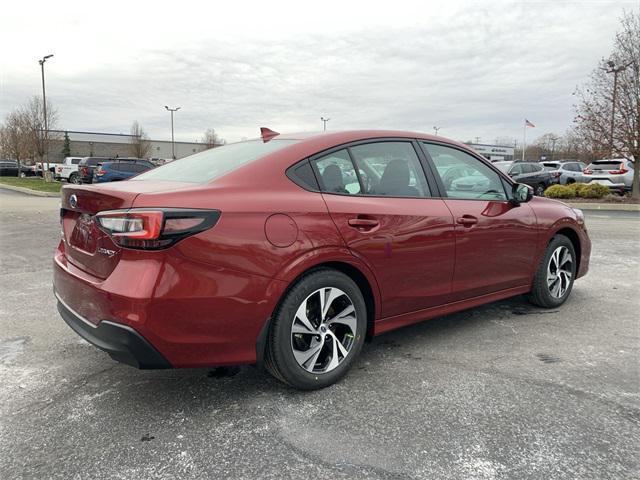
[(616, 173), (68, 170)]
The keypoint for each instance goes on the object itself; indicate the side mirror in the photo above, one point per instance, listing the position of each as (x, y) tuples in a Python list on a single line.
[(521, 193)]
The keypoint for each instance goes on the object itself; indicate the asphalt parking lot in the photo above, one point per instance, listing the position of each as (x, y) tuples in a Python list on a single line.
[(502, 391)]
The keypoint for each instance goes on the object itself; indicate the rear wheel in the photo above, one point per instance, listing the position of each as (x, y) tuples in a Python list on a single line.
[(317, 331), (73, 178), (553, 281), (570, 181), (539, 189)]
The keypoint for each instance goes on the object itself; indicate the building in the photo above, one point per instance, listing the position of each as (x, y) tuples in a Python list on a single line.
[(98, 144), (493, 152)]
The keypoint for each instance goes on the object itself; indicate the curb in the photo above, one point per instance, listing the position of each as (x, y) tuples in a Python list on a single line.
[(620, 207), (28, 191)]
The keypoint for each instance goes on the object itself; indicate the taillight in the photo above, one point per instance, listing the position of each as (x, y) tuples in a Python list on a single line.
[(621, 170), (556, 174), (588, 171), (100, 171), (151, 229)]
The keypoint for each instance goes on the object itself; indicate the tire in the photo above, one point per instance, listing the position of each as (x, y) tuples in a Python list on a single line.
[(73, 178), (23, 175), (292, 338), (539, 190), (550, 288), (570, 181)]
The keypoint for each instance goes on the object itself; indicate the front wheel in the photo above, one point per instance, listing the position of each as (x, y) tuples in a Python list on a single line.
[(317, 331), (553, 281)]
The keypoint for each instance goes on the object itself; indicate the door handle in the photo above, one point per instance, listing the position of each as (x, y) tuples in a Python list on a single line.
[(363, 223), (467, 220)]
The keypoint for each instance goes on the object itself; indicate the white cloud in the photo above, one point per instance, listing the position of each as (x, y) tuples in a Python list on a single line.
[(472, 68)]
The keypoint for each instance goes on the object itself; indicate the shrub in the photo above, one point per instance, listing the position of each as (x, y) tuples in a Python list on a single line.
[(575, 190), (593, 190), (560, 191)]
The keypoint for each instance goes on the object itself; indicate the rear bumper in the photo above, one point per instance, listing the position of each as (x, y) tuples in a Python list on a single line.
[(191, 313), (121, 342)]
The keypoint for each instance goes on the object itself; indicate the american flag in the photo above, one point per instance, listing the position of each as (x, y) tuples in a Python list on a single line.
[(527, 123)]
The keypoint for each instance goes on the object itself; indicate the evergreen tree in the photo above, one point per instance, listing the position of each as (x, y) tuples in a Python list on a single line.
[(66, 146)]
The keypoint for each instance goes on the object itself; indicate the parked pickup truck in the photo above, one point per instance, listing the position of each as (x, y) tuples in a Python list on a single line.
[(68, 170)]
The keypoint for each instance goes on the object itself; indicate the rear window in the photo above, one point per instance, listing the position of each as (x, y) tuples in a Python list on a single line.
[(551, 166), (215, 162), (605, 165)]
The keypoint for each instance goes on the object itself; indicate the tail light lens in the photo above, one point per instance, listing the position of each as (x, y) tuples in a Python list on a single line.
[(588, 171), (556, 174), (152, 229), (100, 172), (621, 170)]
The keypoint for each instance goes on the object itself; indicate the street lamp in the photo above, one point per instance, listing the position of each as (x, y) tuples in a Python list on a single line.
[(436, 129), (324, 123), (45, 144), (553, 140), (612, 69), (173, 145)]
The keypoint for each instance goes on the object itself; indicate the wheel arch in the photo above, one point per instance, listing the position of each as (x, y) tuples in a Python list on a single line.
[(358, 273), (574, 238)]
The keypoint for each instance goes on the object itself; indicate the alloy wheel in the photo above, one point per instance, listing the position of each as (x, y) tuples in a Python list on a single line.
[(323, 330), (559, 272)]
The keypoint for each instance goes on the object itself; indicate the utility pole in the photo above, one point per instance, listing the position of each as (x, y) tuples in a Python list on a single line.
[(45, 144), (324, 123), (612, 69), (477, 140), (173, 143), (436, 129), (553, 145)]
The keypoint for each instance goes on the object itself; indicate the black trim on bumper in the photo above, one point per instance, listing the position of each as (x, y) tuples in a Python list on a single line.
[(121, 342)]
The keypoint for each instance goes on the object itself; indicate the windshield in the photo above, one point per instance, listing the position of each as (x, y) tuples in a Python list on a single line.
[(213, 163)]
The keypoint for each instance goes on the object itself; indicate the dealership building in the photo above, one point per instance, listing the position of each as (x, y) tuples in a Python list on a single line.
[(98, 144), (493, 152)]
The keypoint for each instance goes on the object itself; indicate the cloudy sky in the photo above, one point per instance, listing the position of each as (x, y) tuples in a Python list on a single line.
[(474, 69)]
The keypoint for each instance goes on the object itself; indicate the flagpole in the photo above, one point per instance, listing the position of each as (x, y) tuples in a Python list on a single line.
[(524, 139)]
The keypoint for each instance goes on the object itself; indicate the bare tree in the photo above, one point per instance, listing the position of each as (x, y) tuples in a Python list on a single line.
[(14, 136), (23, 135), (140, 146), (608, 122), (211, 139)]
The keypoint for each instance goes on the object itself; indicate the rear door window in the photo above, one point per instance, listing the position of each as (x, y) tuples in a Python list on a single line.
[(390, 169)]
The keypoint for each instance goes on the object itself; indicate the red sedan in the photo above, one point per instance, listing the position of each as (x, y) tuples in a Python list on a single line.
[(290, 250)]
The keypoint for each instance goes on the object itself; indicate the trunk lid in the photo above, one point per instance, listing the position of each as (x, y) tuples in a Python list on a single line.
[(86, 246)]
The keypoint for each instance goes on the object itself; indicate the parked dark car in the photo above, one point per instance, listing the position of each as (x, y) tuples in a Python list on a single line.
[(529, 173), (8, 168), (88, 164), (120, 170), (290, 250)]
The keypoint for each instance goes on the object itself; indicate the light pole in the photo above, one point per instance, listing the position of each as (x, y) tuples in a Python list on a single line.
[(553, 145), (477, 140), (173, 145), (324, 123), (436, 129), (612, 69), (45, 145)]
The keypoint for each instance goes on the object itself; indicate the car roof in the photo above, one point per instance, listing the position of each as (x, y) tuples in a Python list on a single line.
[(334, 138)]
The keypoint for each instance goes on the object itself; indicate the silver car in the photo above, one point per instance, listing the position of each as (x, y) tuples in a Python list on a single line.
[(565, 171), (616, 173)]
